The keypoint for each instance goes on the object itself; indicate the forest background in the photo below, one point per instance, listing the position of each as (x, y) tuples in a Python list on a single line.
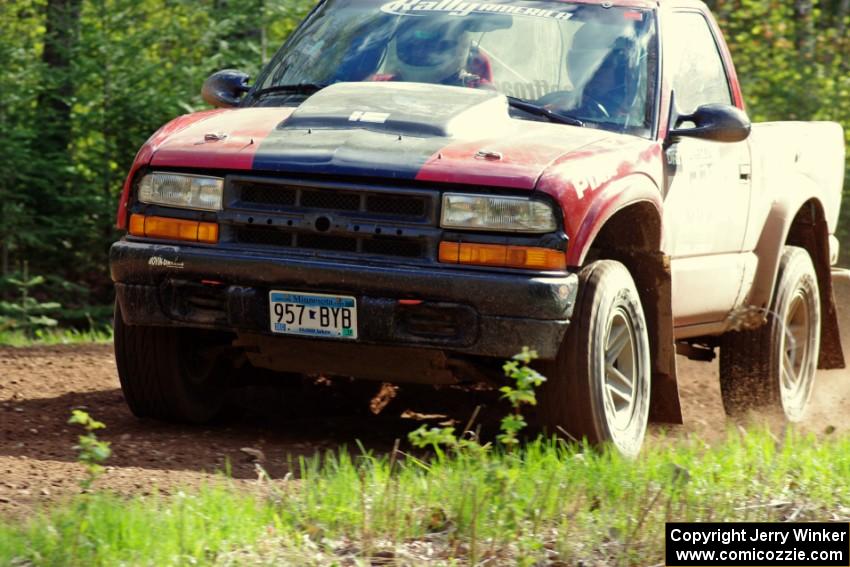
[(83, 83)]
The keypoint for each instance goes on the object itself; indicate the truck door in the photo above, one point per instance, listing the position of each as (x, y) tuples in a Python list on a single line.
[(708, 188)]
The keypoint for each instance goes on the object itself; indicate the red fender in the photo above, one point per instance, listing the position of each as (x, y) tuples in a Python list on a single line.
[(145, 154)]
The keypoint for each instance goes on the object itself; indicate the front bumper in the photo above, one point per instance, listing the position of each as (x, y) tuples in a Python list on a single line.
[(464, 311)]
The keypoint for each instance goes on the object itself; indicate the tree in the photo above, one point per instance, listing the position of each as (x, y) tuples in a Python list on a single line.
[(60, 37)]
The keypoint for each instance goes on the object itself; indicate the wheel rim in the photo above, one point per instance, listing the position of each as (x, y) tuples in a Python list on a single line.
[(621, 374), (797, 371)]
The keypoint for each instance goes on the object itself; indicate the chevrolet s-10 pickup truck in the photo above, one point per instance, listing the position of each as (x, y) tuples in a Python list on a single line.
[(413, 191)]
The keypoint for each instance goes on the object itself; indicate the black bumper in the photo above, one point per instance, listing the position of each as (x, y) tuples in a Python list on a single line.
[(465, 311)]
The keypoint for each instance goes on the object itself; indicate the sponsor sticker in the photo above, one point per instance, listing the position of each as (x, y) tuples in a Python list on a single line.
[(160, 262), (369, 117), (461, 8)]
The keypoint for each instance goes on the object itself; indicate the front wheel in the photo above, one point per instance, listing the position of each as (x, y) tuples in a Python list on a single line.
[(167, 373), (598, 387)]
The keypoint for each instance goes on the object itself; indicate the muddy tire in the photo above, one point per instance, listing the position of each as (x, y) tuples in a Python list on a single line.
[(774, 367), (164, 375), (599, 385)]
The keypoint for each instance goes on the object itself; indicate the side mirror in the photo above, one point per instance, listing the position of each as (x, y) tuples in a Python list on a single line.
[(715, 122), (225, 88)]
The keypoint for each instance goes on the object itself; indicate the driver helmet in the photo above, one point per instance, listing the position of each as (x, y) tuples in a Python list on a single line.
[(430, 50), (614, 82), (604, 63)]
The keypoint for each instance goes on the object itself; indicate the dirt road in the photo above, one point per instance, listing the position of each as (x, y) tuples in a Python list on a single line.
[(40, 386)]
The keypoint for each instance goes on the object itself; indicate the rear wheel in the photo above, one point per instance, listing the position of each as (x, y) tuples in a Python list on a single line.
[(170, 374), (774, 366), (598, 387)]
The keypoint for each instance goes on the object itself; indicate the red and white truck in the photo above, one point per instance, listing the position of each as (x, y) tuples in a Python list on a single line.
[(412, 191)]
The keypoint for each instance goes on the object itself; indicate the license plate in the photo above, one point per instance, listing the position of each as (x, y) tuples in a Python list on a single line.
[(313, 314)]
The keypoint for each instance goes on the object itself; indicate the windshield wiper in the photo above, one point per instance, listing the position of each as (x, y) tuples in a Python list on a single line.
[(538, 110), (301, 88)]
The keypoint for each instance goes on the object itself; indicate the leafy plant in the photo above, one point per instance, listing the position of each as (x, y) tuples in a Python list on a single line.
[(520, 393), (91, 451), (525, 379)]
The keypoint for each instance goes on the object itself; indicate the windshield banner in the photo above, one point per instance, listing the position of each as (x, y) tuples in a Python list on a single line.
[(461, 8)]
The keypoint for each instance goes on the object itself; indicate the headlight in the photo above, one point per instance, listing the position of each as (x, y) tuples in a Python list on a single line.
[(489, 212), (180, 190)]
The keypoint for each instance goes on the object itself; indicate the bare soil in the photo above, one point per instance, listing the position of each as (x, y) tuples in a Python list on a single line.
[(40, 386)]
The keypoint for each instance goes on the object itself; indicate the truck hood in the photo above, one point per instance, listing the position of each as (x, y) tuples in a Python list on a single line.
[(384, 130)]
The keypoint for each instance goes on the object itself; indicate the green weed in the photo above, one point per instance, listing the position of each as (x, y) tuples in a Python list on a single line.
[(55, 336), (91, 451), (545, 501), (519, 392)]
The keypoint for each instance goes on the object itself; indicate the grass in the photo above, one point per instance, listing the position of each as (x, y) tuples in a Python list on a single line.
[(55, 337), (547, 502)]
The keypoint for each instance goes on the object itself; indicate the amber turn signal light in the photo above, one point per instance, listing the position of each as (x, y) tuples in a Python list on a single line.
[(174, 229), (500, 255)]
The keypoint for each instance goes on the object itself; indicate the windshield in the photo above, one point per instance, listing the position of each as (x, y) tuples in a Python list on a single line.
[(593, 62)]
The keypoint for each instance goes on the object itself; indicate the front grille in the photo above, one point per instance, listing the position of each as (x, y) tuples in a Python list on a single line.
[(322, 242), (269, 195), (285, 198), (392, 205), (393, 247), (264, 236), (330, 200), (398, 247), (338, 219)]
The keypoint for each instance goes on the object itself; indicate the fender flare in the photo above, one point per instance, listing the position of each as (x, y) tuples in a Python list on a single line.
[(775, 235), (607, 202), (650, 268)]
